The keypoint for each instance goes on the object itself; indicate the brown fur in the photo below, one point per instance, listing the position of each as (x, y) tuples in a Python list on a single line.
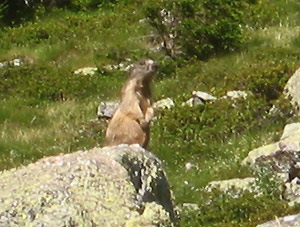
[(130, 123)]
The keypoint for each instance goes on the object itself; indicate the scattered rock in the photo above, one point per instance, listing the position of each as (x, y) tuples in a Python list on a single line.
[(190, 206), (199, 98), (283, 158), (236, 94), (195, 101), (291, 130), (16, 62), (164, 104), (288, 145), (86, 71), (287, 221), (122, 66), (263, 151), (291, 192), (3, 64), (204, 96), (107, 109), (234, 187), (114, 186), (291, 90), (188, 166)]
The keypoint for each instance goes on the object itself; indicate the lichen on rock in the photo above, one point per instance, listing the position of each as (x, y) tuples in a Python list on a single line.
[(113, 186)]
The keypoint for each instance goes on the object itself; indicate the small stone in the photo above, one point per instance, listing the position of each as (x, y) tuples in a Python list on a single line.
[(189, 166), (235, 186), (107, 109), (86, 71), (237, 94), (204, 96), (164, 104)]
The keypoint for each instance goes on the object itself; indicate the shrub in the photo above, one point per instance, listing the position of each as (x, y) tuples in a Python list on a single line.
[(201, 28)]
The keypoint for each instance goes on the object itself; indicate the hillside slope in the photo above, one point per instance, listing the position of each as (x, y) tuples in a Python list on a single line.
[(47, 109)]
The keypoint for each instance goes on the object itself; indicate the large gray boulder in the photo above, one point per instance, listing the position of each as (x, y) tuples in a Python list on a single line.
[(292, 89), (114, 186), (283, 158), (287, 221), (288, 146)]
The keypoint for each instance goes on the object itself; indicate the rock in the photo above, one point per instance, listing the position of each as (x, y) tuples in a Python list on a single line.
[(287, 221), (291, 130), (3, 64), (204, 96), (289, 144), (236, 94), (114, 186), (107, 109), (16, 62), (190, 207), (121, 66), (283, 158), (260, 152), (291, 90), (188, 166), (86, 71), (164, 104), (199, 98), (234, 187), (291, 192), (195, 101)]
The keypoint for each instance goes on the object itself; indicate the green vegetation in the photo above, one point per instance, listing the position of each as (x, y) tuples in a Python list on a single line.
[(46, 109)]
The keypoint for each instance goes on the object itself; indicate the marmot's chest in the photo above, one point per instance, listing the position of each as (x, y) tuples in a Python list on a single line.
[(144, 102)]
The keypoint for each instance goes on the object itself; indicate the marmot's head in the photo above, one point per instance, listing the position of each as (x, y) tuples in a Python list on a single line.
[(143, 69)]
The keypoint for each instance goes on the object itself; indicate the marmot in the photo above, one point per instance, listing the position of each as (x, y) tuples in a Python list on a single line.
[(130, 123)]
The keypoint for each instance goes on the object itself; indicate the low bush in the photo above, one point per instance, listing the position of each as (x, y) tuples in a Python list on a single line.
[(201, 28), (44, 81)]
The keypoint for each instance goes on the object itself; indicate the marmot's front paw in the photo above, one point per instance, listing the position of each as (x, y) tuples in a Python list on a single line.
[(143, 123)]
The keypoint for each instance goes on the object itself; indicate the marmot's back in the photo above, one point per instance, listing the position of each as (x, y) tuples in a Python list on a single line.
[(130, 123)]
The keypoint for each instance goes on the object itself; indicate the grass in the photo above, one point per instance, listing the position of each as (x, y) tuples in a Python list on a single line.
[(29, 133), (47, 110)]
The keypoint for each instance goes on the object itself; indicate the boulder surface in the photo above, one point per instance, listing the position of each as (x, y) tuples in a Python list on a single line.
[(113, 186)]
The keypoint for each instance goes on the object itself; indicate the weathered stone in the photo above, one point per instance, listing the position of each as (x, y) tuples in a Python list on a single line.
[(164, 104), (204, 96), (199, 98), (86, 71), (288, 143), (236, 94), (188, 166), (283, 158), (287, 221), (292, 89), (291, 192), (194, 101), (190, 206), (122, 67), (107, 109), (259, 152), (234, 187), (113, 186), (291, 130), (16, 62)]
